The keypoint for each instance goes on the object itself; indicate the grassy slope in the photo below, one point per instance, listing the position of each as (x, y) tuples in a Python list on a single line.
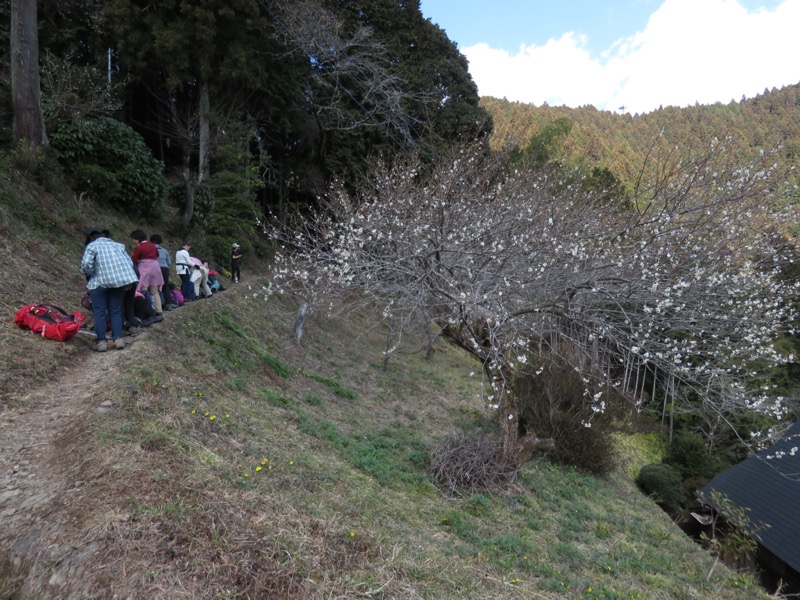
[(336, 501)]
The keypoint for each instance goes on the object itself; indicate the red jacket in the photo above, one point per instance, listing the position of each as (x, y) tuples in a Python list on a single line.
[(143, 251)]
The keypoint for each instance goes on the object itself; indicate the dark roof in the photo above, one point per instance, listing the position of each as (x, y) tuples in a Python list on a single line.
[(768, 484)]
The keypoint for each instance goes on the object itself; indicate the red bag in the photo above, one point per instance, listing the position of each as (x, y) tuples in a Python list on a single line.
[(49, 321)]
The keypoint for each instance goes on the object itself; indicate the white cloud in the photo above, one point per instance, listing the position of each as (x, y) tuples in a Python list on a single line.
[(691, 51)]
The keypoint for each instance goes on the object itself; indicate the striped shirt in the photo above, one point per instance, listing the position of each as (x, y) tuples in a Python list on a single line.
[(107, 265)]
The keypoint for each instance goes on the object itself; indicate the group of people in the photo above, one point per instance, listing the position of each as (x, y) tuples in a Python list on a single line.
[(127, 292), (198, 280)]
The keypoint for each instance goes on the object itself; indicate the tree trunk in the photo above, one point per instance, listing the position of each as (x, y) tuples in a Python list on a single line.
[(205, 133), (204, 137), (188, 180), (302, 313), (507, 411), (26, 92), (431, 347), (508, 414)]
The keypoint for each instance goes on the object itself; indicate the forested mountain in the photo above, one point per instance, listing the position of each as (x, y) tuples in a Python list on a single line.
[(308, 90), (621, 142)]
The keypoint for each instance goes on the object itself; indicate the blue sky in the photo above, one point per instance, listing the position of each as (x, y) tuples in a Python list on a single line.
[(634, 53)]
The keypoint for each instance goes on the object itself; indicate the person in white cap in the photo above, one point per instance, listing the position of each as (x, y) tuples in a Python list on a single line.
[(236, 254)]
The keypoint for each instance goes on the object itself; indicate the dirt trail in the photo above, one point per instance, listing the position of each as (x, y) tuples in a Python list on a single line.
[(40, 481)]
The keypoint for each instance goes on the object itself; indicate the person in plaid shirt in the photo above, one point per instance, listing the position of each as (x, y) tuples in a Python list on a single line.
[(110, 272)]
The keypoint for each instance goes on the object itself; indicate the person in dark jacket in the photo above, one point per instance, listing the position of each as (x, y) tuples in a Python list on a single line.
[(236, 255)]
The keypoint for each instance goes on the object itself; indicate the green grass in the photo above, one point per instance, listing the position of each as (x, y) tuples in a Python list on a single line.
[(334, 387), (163, 485), (362, 467), (638, 450)]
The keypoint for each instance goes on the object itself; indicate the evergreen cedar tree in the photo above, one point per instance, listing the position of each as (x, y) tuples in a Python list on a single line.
[(239, 55)]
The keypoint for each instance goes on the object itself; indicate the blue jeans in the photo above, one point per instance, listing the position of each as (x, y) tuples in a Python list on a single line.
[(107, 305), (187, 287)]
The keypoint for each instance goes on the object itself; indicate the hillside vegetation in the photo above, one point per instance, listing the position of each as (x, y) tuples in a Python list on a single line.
[(622, 142), (217, 458), (638, 261)]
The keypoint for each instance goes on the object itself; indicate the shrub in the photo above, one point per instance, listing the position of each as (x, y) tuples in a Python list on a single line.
[(28, 158), (554, 403), (688, 454), (111, 160), (663, 483), (204, 202), (235, 211), (218, 250), (588, 449), (98, 179), (734, 536), (692, 485)]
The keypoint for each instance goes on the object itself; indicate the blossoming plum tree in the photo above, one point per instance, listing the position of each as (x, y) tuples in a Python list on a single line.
[(676, 289)]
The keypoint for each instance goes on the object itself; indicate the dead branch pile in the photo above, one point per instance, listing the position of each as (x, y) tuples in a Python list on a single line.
[(470, 462)]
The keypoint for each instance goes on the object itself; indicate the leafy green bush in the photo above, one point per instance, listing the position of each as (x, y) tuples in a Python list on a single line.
[(98, 179), (693, 484), (236, 209), (689, 455), (734, 536), (218, 251), (553, 404), (204, 202), (663, 482), (588, 449), (111, 160)]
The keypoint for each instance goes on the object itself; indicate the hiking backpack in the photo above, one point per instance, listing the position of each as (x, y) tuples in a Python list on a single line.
[(149, 298), (177, 297), (49, 321)]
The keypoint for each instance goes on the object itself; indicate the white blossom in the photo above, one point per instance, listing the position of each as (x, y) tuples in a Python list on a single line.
[(681, 284)]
